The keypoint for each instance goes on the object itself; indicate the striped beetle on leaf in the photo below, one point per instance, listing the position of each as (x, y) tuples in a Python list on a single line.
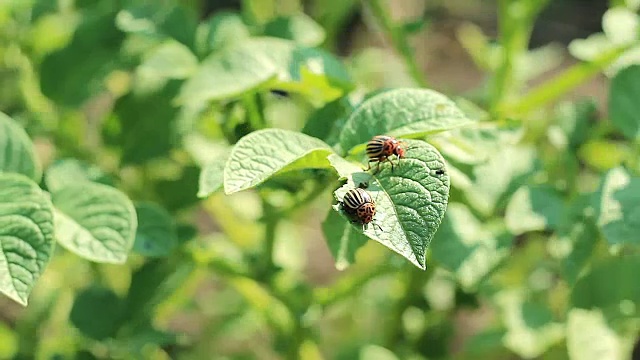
[(381, 147), (358, 204)]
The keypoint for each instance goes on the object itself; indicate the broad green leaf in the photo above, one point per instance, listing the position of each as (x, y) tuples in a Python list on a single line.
[(401, 112), (467, 247), (326, 122), (264, 153), (533, 208), (531, 329), (297, 27), (619, 207), (156, 233), (26, 235), (621, 25), (499, 176), (410, 201), (212, 177), (222, 29), (343, 167), (146, 123), (609, 285), (343, 240), (227, 74), (65, 172), (95, 221), (16, 150), (312, 72), (170, 60), (158, 19), (590, 338), (624, 109), (74, 74), (97, 312)]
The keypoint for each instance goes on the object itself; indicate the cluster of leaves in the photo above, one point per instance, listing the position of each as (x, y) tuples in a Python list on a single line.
[(156, 117)]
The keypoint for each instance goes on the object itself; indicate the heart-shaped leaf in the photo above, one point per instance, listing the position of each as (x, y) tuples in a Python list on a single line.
[(264, 153), (95, 221), (401, 112), (411, 201), (227, 74), (26, 235), (16, 150), (619, 207), (156, 233)]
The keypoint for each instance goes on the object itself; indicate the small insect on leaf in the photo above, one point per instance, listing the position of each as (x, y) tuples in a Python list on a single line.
[(380, 149)]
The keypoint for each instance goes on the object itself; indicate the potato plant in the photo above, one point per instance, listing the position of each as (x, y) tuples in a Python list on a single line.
[(172, 176)]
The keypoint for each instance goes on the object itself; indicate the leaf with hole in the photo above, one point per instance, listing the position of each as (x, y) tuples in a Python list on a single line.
[(16, 150), (400, 112), (26, 235), (410, 201), (95, 221), (265, 153)]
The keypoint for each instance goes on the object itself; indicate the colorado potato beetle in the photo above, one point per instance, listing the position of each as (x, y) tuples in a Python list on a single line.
[(381, 147), (358, 204)]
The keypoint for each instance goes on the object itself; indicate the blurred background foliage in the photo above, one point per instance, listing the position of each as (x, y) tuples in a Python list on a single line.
[(536, 257)]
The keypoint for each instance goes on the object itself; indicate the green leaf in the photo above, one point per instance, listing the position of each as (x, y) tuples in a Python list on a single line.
[(65, 172), (264, 153), (573, 119), (26, 235), (343, 240), (170, 60), (74, 74), (590, 338), (156, 234), (410, 201), (621, 25), (533, 208), (16, 150), (227, 74), (212, 177), (401, 112), (97, 312), (146, 122), (468, 248), (95, 221), (619, 207), (311, 72), (624, 109), (609, 285), (222, 29), (326, 122), (343, 167), (530, 327), (298, 27)]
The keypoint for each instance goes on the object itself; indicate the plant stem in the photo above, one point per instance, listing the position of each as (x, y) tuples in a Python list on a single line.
[(398, 38), (561, 84), (265, 271), (256, 120)]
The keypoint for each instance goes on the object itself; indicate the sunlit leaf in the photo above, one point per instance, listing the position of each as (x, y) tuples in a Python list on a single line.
[(401, 112), (410, 201), (466, 247), (16, 150), (222, 29), (95, 221), (170, 60), (621, 25), (533, 208), (262, 154), (590, 338), (212, 177), (619, 207), (65, 172), (297, 27), (26, 235)]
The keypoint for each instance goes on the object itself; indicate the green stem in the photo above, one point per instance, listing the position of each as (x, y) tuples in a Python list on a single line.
[(271, 219), (561, 84), (256, 120), (398, 38)]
